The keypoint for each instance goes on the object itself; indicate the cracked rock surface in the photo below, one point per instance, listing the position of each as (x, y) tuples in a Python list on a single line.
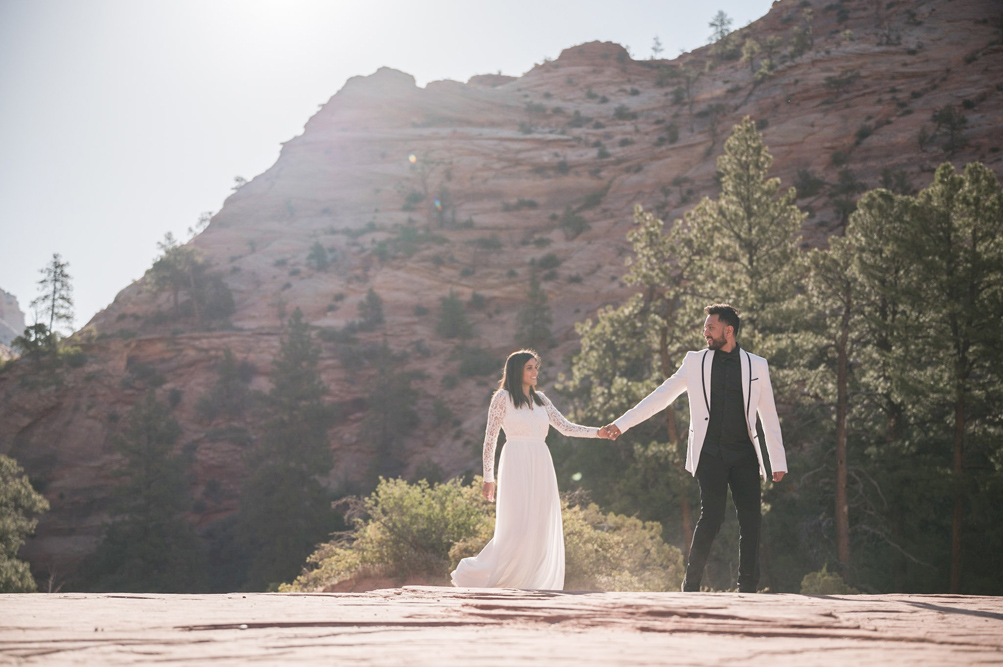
[(445, 626)]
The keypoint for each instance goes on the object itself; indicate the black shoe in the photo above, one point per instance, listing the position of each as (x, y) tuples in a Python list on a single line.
[(688, 588), (746, 589)]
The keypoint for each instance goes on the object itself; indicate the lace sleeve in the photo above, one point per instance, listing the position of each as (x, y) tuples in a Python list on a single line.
[(496, 415), (558, 421)]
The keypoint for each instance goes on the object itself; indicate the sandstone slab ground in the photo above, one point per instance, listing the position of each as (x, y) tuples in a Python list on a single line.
[(444, 626)]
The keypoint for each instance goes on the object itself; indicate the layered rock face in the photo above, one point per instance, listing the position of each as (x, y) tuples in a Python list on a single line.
[(11, 318), (415, 193)]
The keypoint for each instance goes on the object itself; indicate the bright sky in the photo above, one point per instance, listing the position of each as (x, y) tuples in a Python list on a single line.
[(121, 120)]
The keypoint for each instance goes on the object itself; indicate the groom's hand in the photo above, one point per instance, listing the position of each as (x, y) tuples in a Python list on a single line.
[(777, 476), (610, 432)]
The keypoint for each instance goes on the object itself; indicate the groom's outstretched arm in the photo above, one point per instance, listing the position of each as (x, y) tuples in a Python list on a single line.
[(661, 398)]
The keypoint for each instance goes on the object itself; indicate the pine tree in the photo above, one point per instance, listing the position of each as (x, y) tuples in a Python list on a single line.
[(534, 319), (55, 299), (453, 322), (18, 501), (954, 244), (149, 546), (756, 231), (284, 508), (371, 311), (390, 414)]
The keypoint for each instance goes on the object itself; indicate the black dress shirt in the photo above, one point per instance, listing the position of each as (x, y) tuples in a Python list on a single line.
[(727, 432)]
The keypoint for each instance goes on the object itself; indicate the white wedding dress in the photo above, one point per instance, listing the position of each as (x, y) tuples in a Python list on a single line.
[(527, 550)]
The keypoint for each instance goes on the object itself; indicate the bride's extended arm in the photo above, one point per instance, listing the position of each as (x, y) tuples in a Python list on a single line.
[(496, 415), (558, 421)]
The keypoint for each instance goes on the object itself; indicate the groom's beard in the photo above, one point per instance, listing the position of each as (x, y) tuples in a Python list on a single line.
[(716, 343)]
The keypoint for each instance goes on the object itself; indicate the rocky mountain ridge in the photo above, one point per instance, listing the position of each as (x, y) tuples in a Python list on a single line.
[(416, 193)]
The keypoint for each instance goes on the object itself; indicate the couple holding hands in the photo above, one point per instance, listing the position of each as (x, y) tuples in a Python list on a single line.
[(727, 388)]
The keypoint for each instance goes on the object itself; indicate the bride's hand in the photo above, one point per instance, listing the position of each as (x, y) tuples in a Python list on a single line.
[(489, 491)]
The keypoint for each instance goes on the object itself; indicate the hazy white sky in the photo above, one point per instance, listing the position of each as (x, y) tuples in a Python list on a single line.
[(121, 120)]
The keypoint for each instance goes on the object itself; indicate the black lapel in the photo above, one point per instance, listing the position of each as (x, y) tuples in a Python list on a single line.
[(703, 380)]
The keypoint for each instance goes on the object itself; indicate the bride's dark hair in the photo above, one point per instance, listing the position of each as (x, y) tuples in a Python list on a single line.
[(511, 380)]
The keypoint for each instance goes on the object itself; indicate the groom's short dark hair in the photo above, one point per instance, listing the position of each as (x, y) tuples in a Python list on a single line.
[(726, 314)]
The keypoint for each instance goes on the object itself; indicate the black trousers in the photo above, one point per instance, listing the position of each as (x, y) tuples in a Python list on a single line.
[(715, 474)]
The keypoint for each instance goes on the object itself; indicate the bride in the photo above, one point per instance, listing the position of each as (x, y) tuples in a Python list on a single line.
[(527, 550)]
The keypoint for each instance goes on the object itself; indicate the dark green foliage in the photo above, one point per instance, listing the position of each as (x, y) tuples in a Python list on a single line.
[(953, 122), (284, 507), (572, 223), (602, 153), (844, 193), (807, 183), (488, 243), (897, 181), (37, 343), (318, 258), (562, 167), (520, 204), (149, 546), (18, 503), (453, 321), (839, 83), (230, 396), (623, 112), (863, 132), (534, 319), (179, 270), (548, 261), (55, 299), (370, 311), (412, 199), (390, 415)]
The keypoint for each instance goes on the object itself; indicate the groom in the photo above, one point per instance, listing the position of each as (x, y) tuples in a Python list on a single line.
[(727, 387)]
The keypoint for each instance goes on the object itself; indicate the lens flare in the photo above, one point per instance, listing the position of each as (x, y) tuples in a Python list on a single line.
[(577, 477), (438, 205), (412, 158)]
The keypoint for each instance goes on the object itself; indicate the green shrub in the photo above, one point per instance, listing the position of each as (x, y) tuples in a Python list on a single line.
[(613, 552), (824, 582), (405, 530), (453, 321), (807, 183), (548, 261), (572, 223), (623, 112), (401, 530)]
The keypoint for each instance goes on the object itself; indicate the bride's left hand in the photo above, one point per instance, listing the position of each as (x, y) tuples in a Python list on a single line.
[(489, 491)]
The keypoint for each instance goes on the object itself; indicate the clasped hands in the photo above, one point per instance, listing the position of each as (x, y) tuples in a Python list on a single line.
[(609, 432)]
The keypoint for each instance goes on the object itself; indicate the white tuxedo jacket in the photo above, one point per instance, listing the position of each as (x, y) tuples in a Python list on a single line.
[(693, 377)]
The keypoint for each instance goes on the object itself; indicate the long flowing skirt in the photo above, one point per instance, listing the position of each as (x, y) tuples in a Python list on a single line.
[(527, 550)]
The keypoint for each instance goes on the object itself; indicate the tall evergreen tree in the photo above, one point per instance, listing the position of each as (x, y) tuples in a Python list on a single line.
[(390, 414), (55, 299), (18, 502), (955, 246), (285, 508), (149, 546), (534, 319)]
